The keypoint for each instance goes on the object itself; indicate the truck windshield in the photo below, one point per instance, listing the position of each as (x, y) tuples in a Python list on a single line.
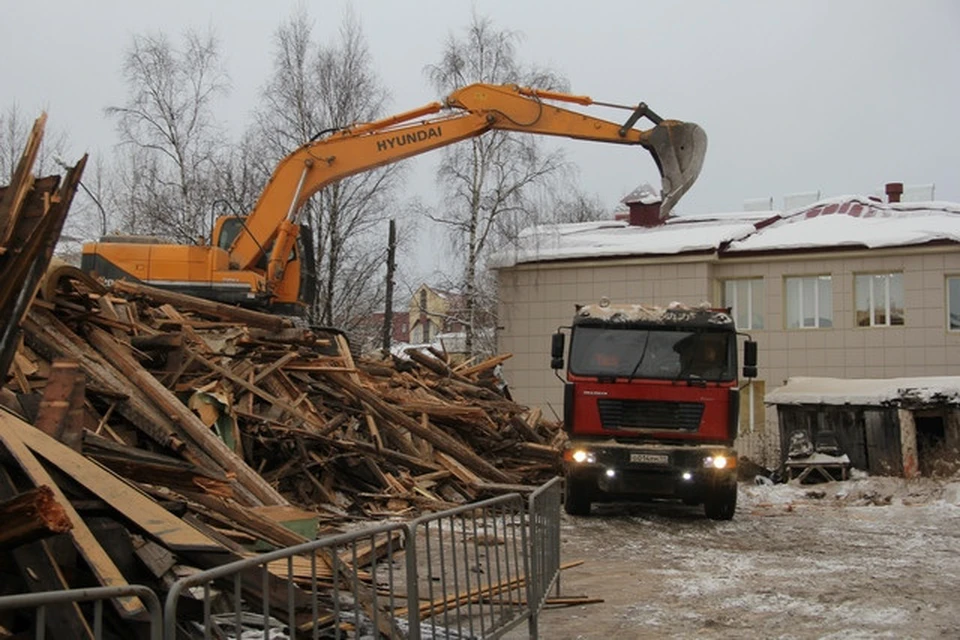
[(652, 353)]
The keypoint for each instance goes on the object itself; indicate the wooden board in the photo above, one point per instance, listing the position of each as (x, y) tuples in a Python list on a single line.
[(139, 508), (100, 563)]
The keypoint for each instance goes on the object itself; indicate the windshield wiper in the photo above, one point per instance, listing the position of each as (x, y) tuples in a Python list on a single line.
[(643, 354)]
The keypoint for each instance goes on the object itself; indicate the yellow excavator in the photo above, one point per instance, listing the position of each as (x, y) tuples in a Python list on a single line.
[(253, 260)]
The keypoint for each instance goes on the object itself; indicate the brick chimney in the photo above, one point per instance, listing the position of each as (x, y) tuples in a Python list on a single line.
[(643, 204), (894, 191), (644, 215)]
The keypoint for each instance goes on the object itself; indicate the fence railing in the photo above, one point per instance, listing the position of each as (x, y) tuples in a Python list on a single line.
[(476, 571), (339, 586), (40, 601), (543, 512), (472, 563)]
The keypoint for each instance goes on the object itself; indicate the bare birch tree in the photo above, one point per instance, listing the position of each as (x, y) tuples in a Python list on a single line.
[(316, 89), (167, 129), (492, 177)]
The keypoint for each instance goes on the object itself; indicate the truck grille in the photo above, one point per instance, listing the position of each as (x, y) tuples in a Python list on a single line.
[(650, 414)]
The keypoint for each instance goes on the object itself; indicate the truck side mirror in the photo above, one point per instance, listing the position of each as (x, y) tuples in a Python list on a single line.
[(750, 359), (556, 350)]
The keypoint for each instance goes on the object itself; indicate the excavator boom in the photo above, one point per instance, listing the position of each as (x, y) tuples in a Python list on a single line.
[(250, 262)]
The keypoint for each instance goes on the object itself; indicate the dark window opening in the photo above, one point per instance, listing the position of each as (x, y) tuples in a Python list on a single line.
[(933, 458)]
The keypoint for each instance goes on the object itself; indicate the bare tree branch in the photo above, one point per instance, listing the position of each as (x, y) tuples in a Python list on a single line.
[(487, 178), (171, 146), (315, 89)]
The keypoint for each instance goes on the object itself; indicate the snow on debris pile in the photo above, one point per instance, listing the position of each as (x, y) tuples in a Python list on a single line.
[(856, 221), (681, 234), (863, 391)]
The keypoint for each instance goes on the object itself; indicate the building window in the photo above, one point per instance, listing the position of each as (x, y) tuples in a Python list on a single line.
[(879, 299), (745, 298), (809, 302), (953, 303)]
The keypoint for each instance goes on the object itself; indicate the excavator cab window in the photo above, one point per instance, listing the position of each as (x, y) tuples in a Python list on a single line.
[(229, 229)]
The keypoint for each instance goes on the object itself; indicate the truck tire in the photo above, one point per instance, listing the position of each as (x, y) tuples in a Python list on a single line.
[(721, 503), (576, 497)]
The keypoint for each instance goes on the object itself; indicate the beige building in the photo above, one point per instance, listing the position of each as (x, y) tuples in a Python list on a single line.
[(433, 312), (844, 288)]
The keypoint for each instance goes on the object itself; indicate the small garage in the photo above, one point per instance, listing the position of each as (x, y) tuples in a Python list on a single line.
[(893, 427)]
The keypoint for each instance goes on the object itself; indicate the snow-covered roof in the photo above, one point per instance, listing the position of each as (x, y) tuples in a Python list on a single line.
[(858, 222), (864, 391), (847, 221), (682, 234)]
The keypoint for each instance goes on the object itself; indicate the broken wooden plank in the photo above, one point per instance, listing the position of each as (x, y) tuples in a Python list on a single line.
[(216, 309), (439, 439), (58, 413), (41, 572), (30, 516), (11, 203), (97, 559), (133, 504), (185, 418)]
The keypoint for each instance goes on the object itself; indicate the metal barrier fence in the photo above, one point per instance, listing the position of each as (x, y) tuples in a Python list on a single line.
[(544, 530), (98, 595), (472, 563), (326, 594), (481, 569)]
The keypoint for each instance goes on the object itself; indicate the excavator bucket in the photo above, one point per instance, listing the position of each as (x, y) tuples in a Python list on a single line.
[(678, 149)]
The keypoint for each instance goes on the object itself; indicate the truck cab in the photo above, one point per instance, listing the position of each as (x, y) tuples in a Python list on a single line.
[(651, 405)]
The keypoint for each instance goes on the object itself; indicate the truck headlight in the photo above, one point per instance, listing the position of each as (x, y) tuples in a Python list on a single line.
[(719, 462), (580, 456)]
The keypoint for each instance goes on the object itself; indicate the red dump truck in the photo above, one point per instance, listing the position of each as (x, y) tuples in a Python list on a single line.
[(651, 405)]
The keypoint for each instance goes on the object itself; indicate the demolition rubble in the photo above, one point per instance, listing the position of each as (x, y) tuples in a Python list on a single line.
[(145, 435)]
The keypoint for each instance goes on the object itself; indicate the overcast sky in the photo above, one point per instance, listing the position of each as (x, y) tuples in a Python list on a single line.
[(831, 96)]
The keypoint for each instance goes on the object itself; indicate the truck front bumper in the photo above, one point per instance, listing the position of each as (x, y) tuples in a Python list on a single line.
[(615, 471)]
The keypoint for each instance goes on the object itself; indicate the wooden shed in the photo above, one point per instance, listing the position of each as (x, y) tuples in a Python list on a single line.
[(896, 426)]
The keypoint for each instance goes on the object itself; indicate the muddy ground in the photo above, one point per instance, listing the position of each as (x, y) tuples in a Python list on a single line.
[(866, 558)]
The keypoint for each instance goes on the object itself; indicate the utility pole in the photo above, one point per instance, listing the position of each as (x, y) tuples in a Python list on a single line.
[(391, 266)]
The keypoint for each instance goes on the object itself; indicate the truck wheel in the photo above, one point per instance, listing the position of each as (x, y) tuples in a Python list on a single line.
[(721, 503), (576, 498)]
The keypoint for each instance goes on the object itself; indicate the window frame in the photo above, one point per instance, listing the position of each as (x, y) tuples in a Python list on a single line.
[(888, 307), (947, 277), (816, 277), (751, 303)]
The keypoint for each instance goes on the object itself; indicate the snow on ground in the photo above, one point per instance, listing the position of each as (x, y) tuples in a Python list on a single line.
[(870, 557)]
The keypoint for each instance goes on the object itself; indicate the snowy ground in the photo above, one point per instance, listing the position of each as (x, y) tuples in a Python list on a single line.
[(865, 558)]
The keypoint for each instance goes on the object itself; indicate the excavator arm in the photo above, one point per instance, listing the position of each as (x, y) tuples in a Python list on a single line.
[(677, 147)]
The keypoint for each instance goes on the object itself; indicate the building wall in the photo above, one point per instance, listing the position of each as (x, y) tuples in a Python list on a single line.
[(427, 320), (537, 299)]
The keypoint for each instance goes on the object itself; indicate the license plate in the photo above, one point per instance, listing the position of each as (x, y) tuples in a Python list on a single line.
[(650, 458)]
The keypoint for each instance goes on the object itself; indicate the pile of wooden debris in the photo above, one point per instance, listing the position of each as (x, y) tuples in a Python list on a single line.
[(152, 434), (222, 401)]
